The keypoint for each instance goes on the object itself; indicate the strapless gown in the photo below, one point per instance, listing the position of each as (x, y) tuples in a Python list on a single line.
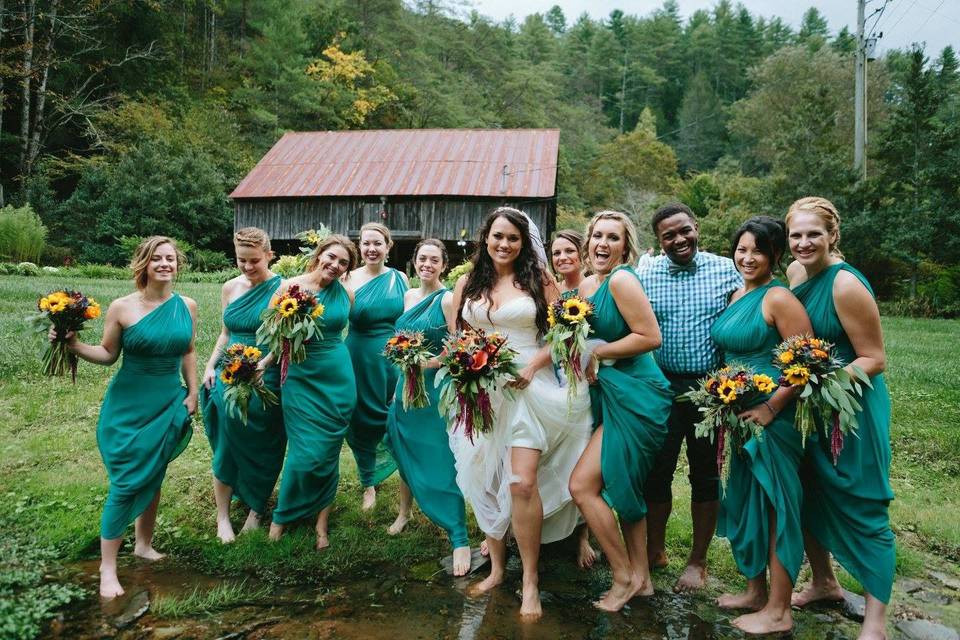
[(534, 418)]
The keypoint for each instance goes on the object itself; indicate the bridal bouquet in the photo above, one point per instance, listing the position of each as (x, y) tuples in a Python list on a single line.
[(829, 391), (292, 319), (475, 363), (567, 337), (408, 351), (309, 241), (67, 311), (239, 376), (721, 396)]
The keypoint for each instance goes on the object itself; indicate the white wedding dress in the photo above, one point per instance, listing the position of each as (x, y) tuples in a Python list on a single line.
[(534, 418)]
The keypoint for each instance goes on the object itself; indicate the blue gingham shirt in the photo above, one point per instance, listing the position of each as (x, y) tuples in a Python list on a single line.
[(686, 304)]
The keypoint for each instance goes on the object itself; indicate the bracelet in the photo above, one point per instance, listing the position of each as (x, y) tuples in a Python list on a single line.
[(772, 412)]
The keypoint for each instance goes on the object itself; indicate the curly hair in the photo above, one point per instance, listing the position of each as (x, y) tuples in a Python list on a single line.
[(528, 274)]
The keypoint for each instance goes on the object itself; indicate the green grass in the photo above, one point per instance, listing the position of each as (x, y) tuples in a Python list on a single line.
[(207, 601), (52, 481)]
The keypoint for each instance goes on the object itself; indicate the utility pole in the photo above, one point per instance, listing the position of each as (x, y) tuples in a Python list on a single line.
[(859, 98)]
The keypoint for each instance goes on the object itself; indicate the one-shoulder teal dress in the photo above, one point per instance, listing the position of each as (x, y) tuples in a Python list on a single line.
[(247, 457), (418, 437), (632, 400), (318, 398), (845, 506), (376, 307), (765, 474), (143, 423)]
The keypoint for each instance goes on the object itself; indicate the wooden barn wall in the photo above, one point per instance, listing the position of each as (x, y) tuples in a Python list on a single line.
[(437, 218)]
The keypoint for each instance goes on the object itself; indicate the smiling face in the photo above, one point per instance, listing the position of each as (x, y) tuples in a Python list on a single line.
[(332, 263), (606, 245), (163, 264), (253, 262), (373, 247), (565, 257), (429, 264), (504, 242), (809, 239), (678, 236), (752, 263)]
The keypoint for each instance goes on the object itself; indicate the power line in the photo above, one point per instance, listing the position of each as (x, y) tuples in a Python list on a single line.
[(903, 15), (932, 13), (879, 14)]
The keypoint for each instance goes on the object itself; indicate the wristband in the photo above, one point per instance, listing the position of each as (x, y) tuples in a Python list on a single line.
[(772, 412)]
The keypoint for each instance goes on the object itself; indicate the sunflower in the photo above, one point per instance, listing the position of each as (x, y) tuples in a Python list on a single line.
[(251, 352), (58, 305), (575, 310), (227, 376), (44, 304), (727, 391), (288, 307), (797, 375), (764, 383), (317, 310), (234, 366), (786, 357)]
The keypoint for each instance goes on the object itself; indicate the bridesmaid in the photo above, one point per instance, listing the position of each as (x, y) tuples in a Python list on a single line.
[(318, 398), (565, 259), (845, 506), (760, 509), (246, 457), (418, 437), (631, 403), (379, 290), (145, 416)]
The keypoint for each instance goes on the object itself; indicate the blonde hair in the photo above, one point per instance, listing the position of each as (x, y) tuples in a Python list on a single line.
[(144, 252), (631, 250), (332, 239), (826, 211), (379, 228), (252, 237)]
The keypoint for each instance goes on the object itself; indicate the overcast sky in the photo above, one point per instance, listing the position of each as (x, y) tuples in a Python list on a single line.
[(936, 22)]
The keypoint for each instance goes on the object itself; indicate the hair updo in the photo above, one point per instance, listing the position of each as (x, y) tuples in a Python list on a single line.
[(770, 235), (253, 238)]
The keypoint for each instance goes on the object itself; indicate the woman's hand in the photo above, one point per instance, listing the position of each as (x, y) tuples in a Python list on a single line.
[(762, 414), (209, 377), (523, 377), (190, 402), (432, 363), (591, 368), (70, 338)]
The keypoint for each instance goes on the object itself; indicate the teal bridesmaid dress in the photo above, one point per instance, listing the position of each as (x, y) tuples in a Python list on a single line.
[(845, 506), (418, 437), (247, 457), (632, 400), (376, 307), (143, 424), (765, 474), (318, 398)]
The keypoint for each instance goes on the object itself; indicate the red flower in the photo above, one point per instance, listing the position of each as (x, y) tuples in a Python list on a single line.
[(479, 360)]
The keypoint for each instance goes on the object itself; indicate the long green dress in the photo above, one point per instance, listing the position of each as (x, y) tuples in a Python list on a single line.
[(376, 307), (766, 473), (247, 457), (632, 401), (418, 437), (318, 398), (845, 506), (143, 424)]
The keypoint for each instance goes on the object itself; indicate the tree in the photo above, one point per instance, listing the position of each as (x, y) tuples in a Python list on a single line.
[(702, 135), (814, 30), (556, 20)]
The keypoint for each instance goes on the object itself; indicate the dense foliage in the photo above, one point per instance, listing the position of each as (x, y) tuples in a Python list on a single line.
[(124, 118)]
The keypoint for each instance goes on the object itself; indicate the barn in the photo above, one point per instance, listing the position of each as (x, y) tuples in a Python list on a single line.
[(421, 183)]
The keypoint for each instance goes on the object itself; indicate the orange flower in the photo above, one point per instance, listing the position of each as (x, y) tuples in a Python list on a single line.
[(820, 354), (479, 360), (91, 312)]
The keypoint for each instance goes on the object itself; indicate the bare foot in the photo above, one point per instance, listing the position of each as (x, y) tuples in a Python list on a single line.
[(814, 592), (753, 600), (867, 633), (276, 530), (147, 552), (485, 585), (530, 608), (109, 584), (252, 522), (322, 541), (693, 578), (398, 524), (586, 555), (369, 499), (484, 551), (225, 531), (461, 561), (621, 593), (765, 621), (658, 560)]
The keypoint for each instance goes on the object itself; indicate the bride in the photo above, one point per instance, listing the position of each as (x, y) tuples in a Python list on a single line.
[(516, 476)]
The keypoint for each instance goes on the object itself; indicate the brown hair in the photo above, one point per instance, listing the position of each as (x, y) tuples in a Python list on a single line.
[(252, 237), (143, 253), (433, 242), (332, 239), (631, 252), (379, 228), (826, 211)]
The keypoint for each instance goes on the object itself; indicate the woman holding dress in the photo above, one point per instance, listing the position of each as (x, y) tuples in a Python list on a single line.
[(760, 508), (379, 294), (844, 505), (145, 416), (318, 397), (631, 402), (516, 475), (247, 458), (418, 437)]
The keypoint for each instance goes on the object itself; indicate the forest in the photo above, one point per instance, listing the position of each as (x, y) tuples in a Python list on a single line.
[(121, 118)]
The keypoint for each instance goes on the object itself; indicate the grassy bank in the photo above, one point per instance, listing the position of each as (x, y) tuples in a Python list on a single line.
[(52, 482)]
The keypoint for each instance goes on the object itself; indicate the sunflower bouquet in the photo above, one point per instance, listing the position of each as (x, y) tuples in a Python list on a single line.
[(829, 392), (292, 319), (721, 397), (67, 311), (309, 241), (567, 337), (238, 372), (409, 352), (475, 362)]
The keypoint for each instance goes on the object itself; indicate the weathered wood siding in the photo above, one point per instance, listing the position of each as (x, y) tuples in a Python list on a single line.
[(442, 218)]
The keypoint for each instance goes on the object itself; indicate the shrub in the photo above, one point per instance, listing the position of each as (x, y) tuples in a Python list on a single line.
[(207, 260), (28, 269), (463, 268), (217, 277), (51, 270), (8, 269), (22, 234), (288, 266), (97, 271), (57, 256)]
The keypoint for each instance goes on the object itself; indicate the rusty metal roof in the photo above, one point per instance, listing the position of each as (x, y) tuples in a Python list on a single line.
[(502, 163)]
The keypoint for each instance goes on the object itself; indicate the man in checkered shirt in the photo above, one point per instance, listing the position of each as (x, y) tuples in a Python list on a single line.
[(688, 289)]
